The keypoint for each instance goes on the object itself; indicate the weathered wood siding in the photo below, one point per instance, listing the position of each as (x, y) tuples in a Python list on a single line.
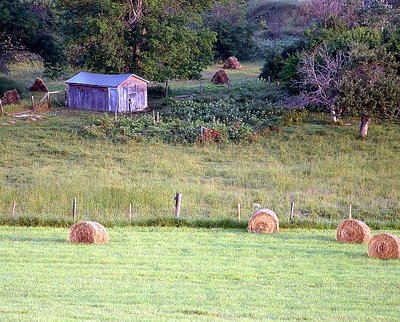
[(132, 95), (88, 97)]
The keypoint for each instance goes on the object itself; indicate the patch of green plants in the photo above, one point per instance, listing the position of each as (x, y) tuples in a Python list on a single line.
[(182, 122)]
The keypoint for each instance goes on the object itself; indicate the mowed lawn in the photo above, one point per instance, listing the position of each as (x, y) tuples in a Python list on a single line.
[(193, 274)]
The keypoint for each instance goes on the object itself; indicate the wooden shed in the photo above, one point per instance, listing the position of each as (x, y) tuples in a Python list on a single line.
[(109, 93)]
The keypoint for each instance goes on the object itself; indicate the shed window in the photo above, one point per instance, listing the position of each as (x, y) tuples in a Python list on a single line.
[(132, 89)]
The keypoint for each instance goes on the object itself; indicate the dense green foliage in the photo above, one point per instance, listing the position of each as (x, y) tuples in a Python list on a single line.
[(234, 31), (7, 84), (182, 122), (193, 274), (167, 41), (34, 26), (348, 61)]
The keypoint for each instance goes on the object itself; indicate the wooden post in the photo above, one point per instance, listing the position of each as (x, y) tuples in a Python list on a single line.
[(14, 206), (1, 108), (74, 209), (158, 117), (33, 102), (130, 212), (154, 117), (178, 203), (291, 211), (49, 101), (269, 79), (238, 211), (116, 114), (350, 215), (166, 89)]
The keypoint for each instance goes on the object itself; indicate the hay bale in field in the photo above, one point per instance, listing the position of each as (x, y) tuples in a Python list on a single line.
[(10, 97), (88, 232), (353, 231), (232, 63), (220, 77), (263, 221), (38, 86), (384, 246)]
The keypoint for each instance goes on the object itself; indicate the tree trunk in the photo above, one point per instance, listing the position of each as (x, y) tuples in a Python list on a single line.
[(166, 89), (334, 116), (364, 126)]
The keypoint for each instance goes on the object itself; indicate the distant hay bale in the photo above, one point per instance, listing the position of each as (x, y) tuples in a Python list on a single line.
[(220, 77), (38, 86), (263, 221), (232, 63), (384, 246), (88, 232), (353, 231)]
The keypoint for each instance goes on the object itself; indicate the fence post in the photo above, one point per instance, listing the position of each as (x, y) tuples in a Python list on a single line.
[(291, 215), (49, 101), (74, 209), (33, 102), (238, 211), (14, 206), (130, 212), (350, 215), (178, 203), (1, 107)]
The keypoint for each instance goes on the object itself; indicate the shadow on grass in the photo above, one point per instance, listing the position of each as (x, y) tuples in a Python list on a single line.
[(33, 239)]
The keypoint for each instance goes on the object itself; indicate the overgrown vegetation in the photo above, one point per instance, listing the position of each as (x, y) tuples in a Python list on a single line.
[(182, 122)]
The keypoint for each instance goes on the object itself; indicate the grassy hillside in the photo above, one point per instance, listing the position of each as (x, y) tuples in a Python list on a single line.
[(45, 164), (169, 274)]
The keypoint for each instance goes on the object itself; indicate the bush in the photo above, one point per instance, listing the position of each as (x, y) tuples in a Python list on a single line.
[(273, 65), (371, 85), (7, 84), (234, 32), (158, 91)]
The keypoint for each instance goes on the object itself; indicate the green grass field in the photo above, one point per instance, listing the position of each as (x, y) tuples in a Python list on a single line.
[(323, 168), (45, 164), (159, 274)]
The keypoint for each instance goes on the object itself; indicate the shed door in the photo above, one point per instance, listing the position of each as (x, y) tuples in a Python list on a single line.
[(113, 105)]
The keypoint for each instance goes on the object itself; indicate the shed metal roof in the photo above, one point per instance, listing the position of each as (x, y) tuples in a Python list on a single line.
[(85, 78)]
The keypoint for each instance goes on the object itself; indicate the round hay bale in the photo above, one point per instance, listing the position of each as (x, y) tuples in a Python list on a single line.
[(384, 246), (88, 232), (353, 231), (263, 221)]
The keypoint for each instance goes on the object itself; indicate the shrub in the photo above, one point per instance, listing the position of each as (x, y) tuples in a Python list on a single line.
[(7, 84)]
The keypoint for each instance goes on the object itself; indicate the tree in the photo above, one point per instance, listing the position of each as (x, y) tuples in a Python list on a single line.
[(321, 73), (33, 26), (159, 40), (95, 34), (370, 85), (234, 31)]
